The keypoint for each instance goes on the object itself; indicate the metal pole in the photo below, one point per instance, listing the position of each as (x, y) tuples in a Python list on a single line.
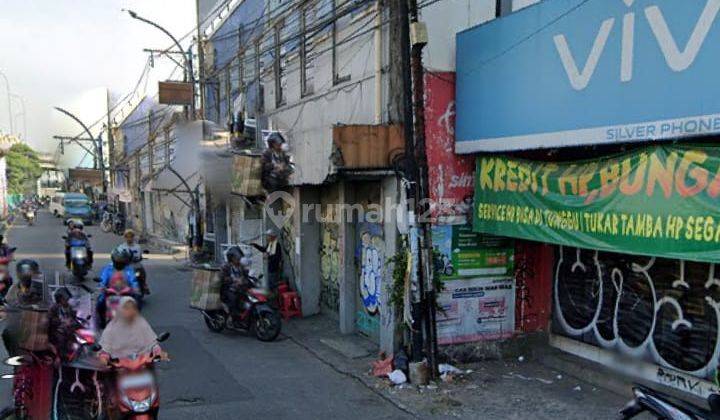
[(188, 58), (201, 58), (111, 141), (9, 101), (24, 114), (98, 147)]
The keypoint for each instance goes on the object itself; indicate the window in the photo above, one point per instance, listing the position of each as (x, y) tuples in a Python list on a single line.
[(338, 23)]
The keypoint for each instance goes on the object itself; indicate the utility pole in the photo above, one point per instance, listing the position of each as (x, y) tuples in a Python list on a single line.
[(201, 58), (9, 102), (414, 39), (111, 141)]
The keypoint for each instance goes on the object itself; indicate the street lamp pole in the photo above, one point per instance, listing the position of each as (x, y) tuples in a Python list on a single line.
[(187, 58), (9, 101), (24, 114), (98, 146)]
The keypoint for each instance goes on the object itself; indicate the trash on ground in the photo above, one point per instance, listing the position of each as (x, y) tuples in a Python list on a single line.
[(397, 377), (382, 367), (447, 368)]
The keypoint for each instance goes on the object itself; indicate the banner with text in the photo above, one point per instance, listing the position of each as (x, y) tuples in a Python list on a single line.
[(661, 200)]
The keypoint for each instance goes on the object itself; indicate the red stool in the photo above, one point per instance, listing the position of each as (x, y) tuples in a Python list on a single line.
[(290, 305)]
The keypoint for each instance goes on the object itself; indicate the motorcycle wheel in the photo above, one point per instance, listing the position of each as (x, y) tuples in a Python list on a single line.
[(266, 325), (215, 321)]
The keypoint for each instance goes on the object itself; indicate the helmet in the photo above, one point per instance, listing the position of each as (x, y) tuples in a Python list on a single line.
[(275, 137), (79, 225), (234, 254), (27, 268), (128, 232), (120, 258)]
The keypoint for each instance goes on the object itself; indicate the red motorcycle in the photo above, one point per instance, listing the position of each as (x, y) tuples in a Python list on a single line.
[(136, 392), (257, 315), (6, 279)]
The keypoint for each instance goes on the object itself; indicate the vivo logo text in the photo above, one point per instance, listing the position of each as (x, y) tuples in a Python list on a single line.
[(676, 58)]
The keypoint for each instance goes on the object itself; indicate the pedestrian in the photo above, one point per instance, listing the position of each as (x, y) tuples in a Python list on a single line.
[(276, 167)]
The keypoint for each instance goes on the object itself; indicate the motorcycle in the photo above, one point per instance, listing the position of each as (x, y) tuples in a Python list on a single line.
[(137, 392), (106, 224), (79, 257), (141, 274), (6, 279), (257, 316), (118, 224), (113, 294), (30, 217), (663, 406)]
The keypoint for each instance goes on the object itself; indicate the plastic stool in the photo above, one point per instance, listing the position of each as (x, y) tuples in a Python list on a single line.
[(290, 305)]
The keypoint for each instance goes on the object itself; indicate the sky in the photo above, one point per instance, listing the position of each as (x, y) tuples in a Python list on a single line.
[(60, 52)]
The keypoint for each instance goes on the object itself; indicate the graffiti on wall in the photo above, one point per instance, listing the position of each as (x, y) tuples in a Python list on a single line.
[(372, 261), (658, 310), (330, 267)]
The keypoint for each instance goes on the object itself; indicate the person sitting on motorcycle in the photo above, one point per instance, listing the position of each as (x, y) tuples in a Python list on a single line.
[(136, 256), (120, 263), (62, 323), (5, 250), (77, 234), (233, 280), (128, 333), (23, 293)]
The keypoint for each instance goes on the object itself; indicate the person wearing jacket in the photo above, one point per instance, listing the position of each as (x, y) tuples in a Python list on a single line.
[(118, 267), (62, 323), (136, 256), (276, 167), (233, 280)]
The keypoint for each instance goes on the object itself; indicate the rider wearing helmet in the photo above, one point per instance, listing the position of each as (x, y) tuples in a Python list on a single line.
[(136, 256), (275, 163), (118, 266), (76, 233), (233, 279), (24, 292)]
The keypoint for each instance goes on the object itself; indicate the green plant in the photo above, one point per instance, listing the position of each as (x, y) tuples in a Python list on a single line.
[(23, 169)]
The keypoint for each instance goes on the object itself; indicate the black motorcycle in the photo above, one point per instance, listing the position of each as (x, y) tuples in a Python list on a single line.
[(80, 263), (663, 406)]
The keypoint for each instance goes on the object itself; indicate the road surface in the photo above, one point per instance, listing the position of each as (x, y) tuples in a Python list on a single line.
[(214, 376)]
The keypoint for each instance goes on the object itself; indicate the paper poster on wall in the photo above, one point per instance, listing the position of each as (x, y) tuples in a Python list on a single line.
[(464, 253), (476, 310)]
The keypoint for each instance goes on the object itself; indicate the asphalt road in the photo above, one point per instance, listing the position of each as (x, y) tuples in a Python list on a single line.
[(214, 376)]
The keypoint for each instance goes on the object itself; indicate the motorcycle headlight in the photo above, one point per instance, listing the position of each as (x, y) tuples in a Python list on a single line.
[(252, 299)]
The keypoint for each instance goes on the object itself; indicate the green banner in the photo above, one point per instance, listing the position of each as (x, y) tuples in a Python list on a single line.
[(464, 253), (660, 200)]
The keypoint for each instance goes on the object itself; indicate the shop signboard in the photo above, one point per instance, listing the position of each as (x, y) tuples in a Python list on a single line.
[(476, 309), (464, 253), (451, 176), (578, 72), (660, 200)]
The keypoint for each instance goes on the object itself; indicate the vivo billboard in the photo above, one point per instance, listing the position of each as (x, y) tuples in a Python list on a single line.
[(577, 72)]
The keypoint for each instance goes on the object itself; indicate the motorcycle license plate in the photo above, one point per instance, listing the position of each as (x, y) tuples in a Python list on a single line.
[(139, 380)]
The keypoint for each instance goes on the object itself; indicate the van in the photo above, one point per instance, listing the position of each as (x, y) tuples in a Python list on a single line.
[(77, 206), (56, 204)]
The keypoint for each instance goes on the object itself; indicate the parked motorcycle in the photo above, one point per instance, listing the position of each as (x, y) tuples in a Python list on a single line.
[(258, 316), (79, 257), (663, 406), (137, 393), (118, 224)]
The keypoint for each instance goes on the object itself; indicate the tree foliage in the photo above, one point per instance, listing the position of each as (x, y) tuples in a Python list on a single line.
[(23, 169)]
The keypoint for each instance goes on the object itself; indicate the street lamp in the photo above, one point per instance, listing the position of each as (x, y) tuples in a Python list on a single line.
[(98, 146), (9, 101), (23, 113), (187, 58)]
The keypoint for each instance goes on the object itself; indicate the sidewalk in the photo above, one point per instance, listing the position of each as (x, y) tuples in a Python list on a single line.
[(493, 389)]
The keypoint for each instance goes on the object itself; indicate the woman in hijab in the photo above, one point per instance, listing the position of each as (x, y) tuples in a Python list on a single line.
[(128, 333)]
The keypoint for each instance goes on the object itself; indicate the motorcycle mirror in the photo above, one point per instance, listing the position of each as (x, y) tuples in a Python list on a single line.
[(89, 236), (163, 336), (96, 347), (13, 249), (96, 279), (145, 251), (64, 237), (14, 361)]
